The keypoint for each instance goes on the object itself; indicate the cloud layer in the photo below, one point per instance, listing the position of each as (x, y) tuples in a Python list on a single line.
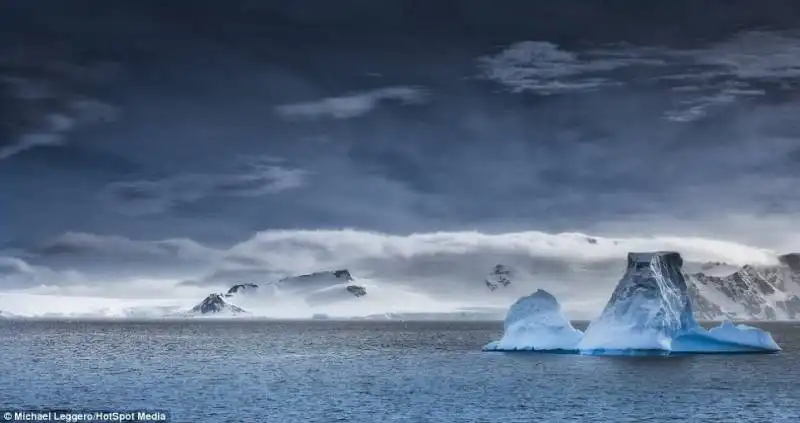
[(49, 95), (700, 79), (444, 266), (257, 178), (351, 105)]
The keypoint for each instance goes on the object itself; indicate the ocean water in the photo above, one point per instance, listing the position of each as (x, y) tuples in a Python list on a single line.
[(323, 371)]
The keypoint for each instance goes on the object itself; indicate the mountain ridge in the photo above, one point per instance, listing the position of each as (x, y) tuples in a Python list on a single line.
[(762, 292), (315, 288)]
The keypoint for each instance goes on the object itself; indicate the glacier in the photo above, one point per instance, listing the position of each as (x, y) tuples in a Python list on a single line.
[(649, 313), (536, 323)]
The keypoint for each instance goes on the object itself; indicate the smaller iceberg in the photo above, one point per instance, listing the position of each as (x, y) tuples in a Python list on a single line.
[(536, 323)]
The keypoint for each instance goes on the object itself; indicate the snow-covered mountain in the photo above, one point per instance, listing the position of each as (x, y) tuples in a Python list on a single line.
[(315, 281), (309, 285), (751, 292), (214, 304), (319, 288)]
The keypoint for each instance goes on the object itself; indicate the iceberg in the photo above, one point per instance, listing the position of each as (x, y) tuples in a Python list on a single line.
[(650, 312), (536, 323)]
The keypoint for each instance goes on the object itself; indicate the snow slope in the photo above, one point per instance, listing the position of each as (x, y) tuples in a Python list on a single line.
[(315, 288), (60, 306)]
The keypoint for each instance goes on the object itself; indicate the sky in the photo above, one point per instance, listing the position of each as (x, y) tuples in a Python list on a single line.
[(145, 142)]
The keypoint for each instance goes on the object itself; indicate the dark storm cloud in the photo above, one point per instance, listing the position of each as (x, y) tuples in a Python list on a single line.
[(400, 123), (80, 258), (76, 245), (45, 95)]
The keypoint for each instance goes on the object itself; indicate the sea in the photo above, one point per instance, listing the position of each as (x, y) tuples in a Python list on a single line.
[(368, 371)]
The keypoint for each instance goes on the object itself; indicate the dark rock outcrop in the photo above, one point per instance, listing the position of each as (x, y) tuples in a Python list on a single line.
[(358, 291), (343, 273), (242, 287), (500, 276)]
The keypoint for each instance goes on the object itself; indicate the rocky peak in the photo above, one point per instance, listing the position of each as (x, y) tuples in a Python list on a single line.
[(343, 273), (751, 292), (214, 303)]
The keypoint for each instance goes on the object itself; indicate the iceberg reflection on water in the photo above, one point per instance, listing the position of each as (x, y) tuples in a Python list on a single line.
[(649, 313)]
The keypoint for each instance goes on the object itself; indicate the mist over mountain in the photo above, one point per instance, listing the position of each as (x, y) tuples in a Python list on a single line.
[(153, 152)]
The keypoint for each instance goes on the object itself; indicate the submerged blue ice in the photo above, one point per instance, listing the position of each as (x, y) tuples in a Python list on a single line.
[(536, 323), (649, 312)]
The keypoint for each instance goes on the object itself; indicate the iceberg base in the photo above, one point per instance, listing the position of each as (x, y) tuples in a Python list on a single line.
[(727, 338)]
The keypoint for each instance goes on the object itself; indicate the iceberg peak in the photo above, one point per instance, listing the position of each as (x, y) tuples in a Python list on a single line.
[(648, 308), (535, 322)]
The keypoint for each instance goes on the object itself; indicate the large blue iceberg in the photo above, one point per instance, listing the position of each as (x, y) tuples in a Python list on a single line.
[(649, 313), (536, 323)]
